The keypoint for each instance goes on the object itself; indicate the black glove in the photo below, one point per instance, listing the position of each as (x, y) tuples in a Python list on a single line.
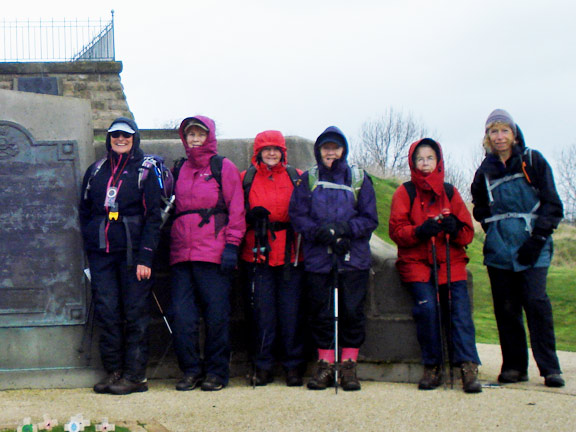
[(229, 258), (451, 225), (428, 229), (341, 246), (326, 234), (342, 229), (257, 214), (529, 252)]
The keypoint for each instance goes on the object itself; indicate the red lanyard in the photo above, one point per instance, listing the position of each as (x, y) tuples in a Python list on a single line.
[(112, 180)]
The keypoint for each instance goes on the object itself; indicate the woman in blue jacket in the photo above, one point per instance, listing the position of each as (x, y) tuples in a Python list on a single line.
[(334, 208), (516, 201)]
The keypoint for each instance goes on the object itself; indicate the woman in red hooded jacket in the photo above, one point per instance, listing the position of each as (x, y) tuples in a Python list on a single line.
[(427, 212), (273, 281)]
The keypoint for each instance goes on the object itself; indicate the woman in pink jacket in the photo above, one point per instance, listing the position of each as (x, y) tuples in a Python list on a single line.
[(208, 228)]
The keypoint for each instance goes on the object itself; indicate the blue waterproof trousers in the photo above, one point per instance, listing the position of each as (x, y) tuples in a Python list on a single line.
[(425, 314), (201, 290)]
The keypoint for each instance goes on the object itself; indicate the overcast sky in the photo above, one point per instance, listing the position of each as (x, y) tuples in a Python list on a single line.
[(299, 66)]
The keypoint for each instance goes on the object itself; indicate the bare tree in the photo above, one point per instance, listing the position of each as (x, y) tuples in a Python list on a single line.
[(384, 142), (566, 178), (171, 124), (460, 175)]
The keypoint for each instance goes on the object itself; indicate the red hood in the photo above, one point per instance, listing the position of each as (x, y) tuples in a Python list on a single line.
[(269, 138), (433, 181)]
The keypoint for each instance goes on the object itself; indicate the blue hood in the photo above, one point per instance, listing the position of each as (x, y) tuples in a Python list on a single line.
[(331, 134)]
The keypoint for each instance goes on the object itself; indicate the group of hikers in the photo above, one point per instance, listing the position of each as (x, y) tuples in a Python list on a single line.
[(300, 241)]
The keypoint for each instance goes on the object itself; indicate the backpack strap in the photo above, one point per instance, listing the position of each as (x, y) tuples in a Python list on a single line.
[(177, 167), (293, 174), (247, 184), (216, 168), (356, 183), (95, 171), (527, 166)]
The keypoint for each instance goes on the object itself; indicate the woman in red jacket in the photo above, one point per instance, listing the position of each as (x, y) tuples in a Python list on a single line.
[(273, 281), (427, 212)]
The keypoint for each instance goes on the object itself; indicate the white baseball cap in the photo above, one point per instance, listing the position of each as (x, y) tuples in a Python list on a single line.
[(121, 126)]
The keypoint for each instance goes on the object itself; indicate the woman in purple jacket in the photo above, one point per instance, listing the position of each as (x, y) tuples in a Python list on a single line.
[(208, 228), (334, 208)]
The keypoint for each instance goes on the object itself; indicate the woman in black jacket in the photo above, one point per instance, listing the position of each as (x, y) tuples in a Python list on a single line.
[(516, 201), (120, 220)]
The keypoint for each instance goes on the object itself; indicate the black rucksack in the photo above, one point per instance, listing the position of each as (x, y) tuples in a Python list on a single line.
[(249, 178), (150, 162), (216, 170), (411, 189)]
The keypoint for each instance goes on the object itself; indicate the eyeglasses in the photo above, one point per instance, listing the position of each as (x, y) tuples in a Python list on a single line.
[(118, 134), (429, 159)]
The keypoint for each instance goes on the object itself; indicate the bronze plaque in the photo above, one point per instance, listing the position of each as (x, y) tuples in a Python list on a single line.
[(41, 271)]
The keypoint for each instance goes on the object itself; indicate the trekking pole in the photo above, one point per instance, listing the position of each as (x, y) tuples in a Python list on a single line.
[(298, 243), (445, 213), (252, 299), (258, 250), (438, 304), (335, 287), (161, 311)]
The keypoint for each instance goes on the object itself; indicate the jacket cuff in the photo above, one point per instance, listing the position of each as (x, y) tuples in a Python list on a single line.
[(145, 257)]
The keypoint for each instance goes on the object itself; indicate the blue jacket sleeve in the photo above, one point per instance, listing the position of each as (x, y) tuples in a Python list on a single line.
[(366, 219)]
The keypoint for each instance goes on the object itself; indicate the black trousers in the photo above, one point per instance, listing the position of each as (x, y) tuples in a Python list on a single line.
[(513, 292), (275, 309), (352, 288), (122, 311)]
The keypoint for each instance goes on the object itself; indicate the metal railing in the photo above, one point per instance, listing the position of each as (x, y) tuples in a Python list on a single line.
[(52, 40)]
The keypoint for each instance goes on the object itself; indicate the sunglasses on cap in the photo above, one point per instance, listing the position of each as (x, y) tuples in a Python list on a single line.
[(118, 134)]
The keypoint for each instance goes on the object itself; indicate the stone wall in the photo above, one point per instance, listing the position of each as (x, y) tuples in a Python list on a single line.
[(97, 81)]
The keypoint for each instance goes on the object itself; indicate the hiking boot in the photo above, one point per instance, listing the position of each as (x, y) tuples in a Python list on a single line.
[(511, 376), (189, 382), (294, 378), (554, 380), (125, 386), (324, 376), (103, 386), (261, 377), (431, 378), (348, 379), (212, 383), (470, 382)]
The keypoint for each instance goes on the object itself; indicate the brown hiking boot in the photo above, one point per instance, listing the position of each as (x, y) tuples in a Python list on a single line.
[(470, 382), (103, 386), (324, 376), (431, 378), (348, 379)]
